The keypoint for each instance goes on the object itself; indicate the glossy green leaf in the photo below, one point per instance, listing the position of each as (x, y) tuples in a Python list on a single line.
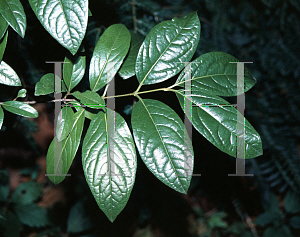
[(109, 162), (27, 193), (127, 69), (108, 55), (3, 42), (3, 26), (22, 93), (32, 215), (89, 115), (65, 20), (165, 49), (73, 72), (1, 117), (46, 85), (8, 76), (64, 123), (20, 108), (161, 140), (12, 11), (218, 124), (69, 148), (212, 73), (90, 99)]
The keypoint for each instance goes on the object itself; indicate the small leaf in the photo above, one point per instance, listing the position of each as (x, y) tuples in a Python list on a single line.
[(267, 218), (3, 42), (64, 20), (66, 155), (90, 13), (12, 11), (4, 192), (283, 231), (292, 202), (27, 193), (64, 123), (108, 55), (163, 144), (90, 99), (12, 225), (127, 69), (218, 124), (73, 72), (212, 73), (32, 215), (89, 115), (109, 162), (22, 93), (8, 76), (46, 85), (1, 117), (20, 108), (165, 49), (295, 222), (3, 26)]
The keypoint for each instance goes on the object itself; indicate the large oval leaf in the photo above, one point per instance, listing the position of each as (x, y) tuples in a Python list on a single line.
[(166, 49), (64, 123), (1, 117), (127, 69), (109, 162), (212, 73), (3, 26), (3, 42), (46, 85), (108, 55), (8, 76), (69, 148), (218, 124), (161, 139), (65, 20), (20, 108), (73, 72), (12, 11)]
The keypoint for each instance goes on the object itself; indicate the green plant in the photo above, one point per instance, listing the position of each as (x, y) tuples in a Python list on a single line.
[(108, 150)]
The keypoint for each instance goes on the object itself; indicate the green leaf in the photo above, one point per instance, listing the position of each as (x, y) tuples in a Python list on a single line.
[(283, 231), (3, 26), (67, 153), (32, 215), (163, 144), (4, 192), (1, 117), (12, 225), (292, 202), (90, 99), (212, 73), (46, 85), (12, 11), (127, 69), (165, 49), (218, 124), (27, 193), (90, 13), (109, 162), (20, 108), (64, 20), (89, 115), (22, 93), (3, 42), (73, 72), (216, 220), (267, 218), (108, 55), (295, 222), (8, 76), (64, 123)]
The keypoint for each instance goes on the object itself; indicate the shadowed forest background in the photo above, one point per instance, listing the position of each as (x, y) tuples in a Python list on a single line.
[(265, 32)]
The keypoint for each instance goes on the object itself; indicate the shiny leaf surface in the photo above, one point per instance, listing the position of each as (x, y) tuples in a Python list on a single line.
[(3, 26), (165, 47), (8, 76), (90, 99), (218, 124), (73, 72), (109, 162), (12, 11), (161, 140), (46, 85), (212, 73), (108, 55), (22, 93), (69, 148), (20, 108), (127, 69), (3, 43), (65, 20), (1, 117), (64, 123)]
